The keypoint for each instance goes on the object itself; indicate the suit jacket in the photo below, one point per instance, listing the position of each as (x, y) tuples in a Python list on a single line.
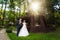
[(19, 25)]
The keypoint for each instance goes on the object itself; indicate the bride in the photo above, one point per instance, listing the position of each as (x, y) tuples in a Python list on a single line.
[(23, 30)]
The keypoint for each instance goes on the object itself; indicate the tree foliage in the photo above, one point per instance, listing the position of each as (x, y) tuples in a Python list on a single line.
[(51, 11)]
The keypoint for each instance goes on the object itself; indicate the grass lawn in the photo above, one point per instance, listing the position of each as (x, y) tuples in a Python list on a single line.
[(36, 36)]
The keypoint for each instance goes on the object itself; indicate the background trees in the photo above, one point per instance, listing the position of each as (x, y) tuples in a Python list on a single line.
[(52, 12), (17, 9)]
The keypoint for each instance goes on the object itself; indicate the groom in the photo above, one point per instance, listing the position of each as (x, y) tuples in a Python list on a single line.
[(19, 25)]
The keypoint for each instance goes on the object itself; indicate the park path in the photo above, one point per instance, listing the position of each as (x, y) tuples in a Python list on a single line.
[(3, 35)]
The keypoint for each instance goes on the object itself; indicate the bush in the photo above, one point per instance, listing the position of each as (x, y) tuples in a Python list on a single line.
[(9, 30), (14, 28)]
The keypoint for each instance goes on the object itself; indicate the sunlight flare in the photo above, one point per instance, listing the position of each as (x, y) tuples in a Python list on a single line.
[(34, 6)]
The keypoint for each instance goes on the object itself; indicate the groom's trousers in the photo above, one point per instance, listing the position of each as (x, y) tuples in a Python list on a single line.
[(18, 28)]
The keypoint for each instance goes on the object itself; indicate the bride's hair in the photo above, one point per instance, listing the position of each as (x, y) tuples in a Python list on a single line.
[(24, 21)]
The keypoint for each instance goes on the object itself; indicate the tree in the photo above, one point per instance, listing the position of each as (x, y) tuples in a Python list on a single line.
[(21, 4), (50, 4)]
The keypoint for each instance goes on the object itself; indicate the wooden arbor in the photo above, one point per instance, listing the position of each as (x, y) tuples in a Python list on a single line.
[(38, 24), (35, 24)]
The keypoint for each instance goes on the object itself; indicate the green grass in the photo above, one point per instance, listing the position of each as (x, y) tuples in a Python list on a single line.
[(36, 36)]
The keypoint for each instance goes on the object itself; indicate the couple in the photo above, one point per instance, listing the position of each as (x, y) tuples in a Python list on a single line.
[(21, 28)]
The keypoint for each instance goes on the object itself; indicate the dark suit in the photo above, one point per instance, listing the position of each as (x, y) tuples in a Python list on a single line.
[(18, 27)]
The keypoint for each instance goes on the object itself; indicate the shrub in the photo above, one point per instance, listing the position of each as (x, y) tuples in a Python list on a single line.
[(9, 30)]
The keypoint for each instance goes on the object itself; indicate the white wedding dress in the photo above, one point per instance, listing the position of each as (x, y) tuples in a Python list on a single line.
[(23, 30)]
